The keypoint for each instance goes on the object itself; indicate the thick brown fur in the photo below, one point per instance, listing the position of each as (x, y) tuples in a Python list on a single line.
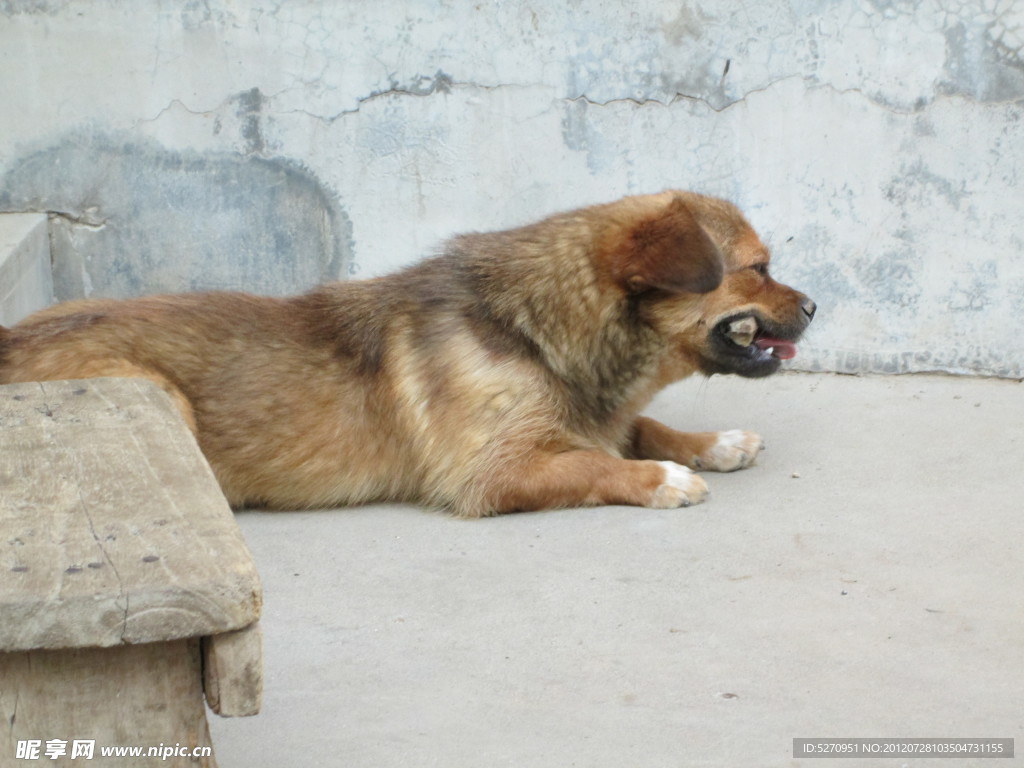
[(505, 374)]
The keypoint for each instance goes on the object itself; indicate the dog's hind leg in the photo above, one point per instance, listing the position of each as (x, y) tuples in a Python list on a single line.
[(578, 478), (716, 451)]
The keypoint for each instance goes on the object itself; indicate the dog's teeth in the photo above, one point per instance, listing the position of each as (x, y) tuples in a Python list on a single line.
[(742, 331), (743, 325), (769, 350)]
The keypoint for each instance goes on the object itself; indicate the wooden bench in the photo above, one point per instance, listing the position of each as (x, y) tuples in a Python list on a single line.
[(126, 588)]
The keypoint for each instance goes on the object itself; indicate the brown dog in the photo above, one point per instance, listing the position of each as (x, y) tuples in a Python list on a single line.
[(505, 374)]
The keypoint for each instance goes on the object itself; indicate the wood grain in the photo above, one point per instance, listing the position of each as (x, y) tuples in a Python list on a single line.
[(113, 529)]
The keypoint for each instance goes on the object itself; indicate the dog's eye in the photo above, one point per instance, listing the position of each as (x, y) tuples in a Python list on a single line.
[(761, 269)]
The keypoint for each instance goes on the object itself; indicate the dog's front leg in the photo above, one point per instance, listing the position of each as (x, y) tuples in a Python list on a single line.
[(577, 478), (717, 451)]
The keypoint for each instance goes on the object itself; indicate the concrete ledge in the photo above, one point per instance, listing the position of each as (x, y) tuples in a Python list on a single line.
[(26, 280)]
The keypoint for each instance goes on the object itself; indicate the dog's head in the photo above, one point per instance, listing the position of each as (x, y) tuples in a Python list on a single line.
[(702, 275)]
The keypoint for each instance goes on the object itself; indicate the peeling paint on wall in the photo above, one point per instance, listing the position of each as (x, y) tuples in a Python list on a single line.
[(130, 217)]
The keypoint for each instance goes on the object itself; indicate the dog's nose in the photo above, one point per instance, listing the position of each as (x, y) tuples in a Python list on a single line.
[(809, 308)]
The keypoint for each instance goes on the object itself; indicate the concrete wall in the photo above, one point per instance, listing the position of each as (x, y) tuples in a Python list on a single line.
[(877, 144)]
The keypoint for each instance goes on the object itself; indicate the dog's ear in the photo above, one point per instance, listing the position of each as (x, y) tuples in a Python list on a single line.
[(670, 251)]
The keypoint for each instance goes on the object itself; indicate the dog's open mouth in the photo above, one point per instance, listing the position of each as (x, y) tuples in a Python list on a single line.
[(747, 334), (749, 345)]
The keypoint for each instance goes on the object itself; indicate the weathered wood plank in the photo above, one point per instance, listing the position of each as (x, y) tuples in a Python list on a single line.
[(112, 527), (233, 672), (130, 696)]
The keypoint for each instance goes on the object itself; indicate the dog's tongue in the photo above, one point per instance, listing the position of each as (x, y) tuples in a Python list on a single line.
[(784, 350)]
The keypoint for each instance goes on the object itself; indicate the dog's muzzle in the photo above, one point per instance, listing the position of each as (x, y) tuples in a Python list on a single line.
[(751, 345)]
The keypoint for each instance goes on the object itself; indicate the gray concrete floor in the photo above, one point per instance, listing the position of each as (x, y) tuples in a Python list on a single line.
[(864, 579)]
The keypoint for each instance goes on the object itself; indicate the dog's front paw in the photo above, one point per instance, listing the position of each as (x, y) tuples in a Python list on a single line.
[(680, 488), (733, 449)]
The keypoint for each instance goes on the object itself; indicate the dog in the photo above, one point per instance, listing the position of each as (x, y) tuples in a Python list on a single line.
[(507, 373)]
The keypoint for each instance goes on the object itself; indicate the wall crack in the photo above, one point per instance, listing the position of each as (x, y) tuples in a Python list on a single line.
[(88, 219)]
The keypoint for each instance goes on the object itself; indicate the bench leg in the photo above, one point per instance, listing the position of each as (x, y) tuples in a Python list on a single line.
[(233, 671), (147, 696)]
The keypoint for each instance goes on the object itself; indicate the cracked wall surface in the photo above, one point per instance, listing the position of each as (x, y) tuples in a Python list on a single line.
[(876, 144)]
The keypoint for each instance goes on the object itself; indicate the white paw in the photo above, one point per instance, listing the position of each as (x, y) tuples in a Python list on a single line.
[(680, 488), (734, 450)]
